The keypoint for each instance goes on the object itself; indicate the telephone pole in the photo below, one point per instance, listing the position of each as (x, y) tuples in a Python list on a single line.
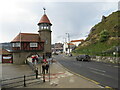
[(68, 42)]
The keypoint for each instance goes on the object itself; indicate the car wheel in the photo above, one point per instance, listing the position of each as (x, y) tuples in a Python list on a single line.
[(82, 60)]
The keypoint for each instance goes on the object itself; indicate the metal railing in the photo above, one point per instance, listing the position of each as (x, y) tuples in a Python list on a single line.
[(21, 81), (24, 80), (32, 66)]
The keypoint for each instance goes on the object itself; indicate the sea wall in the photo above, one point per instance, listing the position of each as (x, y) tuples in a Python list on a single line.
[(115, 60)]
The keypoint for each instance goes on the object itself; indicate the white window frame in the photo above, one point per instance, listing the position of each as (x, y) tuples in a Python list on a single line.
[(33, 44), (15, 44)]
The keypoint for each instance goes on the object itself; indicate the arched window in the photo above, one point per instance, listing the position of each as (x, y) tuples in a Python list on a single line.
[(45, 27), (41, 27)]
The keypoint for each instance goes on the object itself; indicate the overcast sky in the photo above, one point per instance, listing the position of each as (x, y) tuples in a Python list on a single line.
[(74, 17)]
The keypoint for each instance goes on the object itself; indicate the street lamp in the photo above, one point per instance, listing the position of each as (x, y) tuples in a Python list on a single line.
[(68, 42)]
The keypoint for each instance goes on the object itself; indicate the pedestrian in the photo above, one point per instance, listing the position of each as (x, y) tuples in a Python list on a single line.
[(43, 67), (47, 67), (36, 60), (44, 60), (36, 72), (33, 59), (40, 59)]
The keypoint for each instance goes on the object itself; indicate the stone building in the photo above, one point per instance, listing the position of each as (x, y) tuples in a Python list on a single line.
[(27, 44)]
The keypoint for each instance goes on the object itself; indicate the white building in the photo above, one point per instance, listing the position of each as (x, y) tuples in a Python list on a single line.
[(77, 42), (68, 47)]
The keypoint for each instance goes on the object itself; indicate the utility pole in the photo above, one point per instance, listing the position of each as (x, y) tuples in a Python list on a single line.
[(68, 42)]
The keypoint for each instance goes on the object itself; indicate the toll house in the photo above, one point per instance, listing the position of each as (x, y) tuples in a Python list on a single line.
[(26, 44)]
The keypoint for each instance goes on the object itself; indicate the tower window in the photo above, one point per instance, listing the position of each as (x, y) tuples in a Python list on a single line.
[(41, 27), (44, 27)]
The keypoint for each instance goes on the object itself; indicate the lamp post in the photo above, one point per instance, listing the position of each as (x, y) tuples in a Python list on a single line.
[(68, 42), (64, 47)]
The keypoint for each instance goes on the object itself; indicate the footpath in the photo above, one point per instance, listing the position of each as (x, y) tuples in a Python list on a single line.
[(59, 77)]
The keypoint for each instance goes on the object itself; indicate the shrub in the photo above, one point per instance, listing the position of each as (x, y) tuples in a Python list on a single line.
[(104, 35)]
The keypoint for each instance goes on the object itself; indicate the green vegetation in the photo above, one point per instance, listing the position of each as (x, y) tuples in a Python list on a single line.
[(103, 37)]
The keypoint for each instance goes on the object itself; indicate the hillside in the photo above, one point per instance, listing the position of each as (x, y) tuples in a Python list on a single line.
[(103, 38)]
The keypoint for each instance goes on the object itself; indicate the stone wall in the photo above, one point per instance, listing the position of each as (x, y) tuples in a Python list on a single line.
[(115, 60), (21, 57)]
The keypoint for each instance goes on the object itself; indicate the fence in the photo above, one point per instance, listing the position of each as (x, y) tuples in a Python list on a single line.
[(32, 66), (22, 81)]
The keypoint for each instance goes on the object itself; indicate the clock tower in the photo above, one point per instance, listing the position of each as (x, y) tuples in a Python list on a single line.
[(45, 33)]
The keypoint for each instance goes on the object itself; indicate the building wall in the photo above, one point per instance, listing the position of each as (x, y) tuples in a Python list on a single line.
[(21, 57), (76, 43), (46, 36), (0, 58)]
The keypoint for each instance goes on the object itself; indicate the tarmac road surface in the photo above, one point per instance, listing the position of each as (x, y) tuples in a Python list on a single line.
[(105, 74)]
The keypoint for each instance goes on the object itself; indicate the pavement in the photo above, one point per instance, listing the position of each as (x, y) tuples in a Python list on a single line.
[(11, 70), (60, 77)]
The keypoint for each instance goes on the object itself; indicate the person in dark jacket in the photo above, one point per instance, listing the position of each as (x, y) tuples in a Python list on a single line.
[(43, 68), (47, 67)]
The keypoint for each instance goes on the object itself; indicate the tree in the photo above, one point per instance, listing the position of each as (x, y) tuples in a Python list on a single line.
[(104, 35)]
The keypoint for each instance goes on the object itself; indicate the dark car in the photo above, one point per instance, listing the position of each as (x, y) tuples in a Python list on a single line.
[(83, 58)]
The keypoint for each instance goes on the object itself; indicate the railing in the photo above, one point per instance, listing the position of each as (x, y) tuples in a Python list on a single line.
[(21, 81), (32, 66)]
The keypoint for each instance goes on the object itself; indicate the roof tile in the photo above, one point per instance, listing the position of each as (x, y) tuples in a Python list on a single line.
[(26, 37), (44, 19), (77, 40)]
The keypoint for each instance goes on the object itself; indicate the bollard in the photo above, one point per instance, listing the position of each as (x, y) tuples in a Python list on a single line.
[(36, 71), (43, 77), (24, 81)]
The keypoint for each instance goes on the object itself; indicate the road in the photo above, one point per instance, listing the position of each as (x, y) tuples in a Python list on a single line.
[(105, 74)]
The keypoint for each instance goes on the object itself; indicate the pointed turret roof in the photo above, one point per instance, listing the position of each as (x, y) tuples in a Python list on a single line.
[(44, 19)]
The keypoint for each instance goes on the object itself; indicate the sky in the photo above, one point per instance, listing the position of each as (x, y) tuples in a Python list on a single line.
[(75, 17)]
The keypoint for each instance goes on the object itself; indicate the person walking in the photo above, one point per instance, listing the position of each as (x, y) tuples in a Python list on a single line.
[(47, 67), (43, 68)]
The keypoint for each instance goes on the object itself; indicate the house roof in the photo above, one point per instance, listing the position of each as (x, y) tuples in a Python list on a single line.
[(77, 40), (70, 44), (44, 19), (27, 37)]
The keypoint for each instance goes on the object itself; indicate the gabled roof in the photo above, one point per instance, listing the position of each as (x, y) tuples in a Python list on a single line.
[(44, 19), (77, 40), (27, 37), (70, 44)]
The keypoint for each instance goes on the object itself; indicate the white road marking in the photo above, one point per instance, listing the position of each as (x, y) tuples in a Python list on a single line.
[(96, 69), (107, 65), (112, 66), (102, 74), (116, 66)]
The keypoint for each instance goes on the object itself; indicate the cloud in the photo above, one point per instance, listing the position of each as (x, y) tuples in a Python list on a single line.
[(75, 18)]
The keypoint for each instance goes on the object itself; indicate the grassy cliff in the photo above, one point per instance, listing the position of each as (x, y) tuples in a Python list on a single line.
[(104, 37)]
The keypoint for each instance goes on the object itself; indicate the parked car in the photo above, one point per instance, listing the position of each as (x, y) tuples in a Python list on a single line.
[(70, 55), (83, 58)]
